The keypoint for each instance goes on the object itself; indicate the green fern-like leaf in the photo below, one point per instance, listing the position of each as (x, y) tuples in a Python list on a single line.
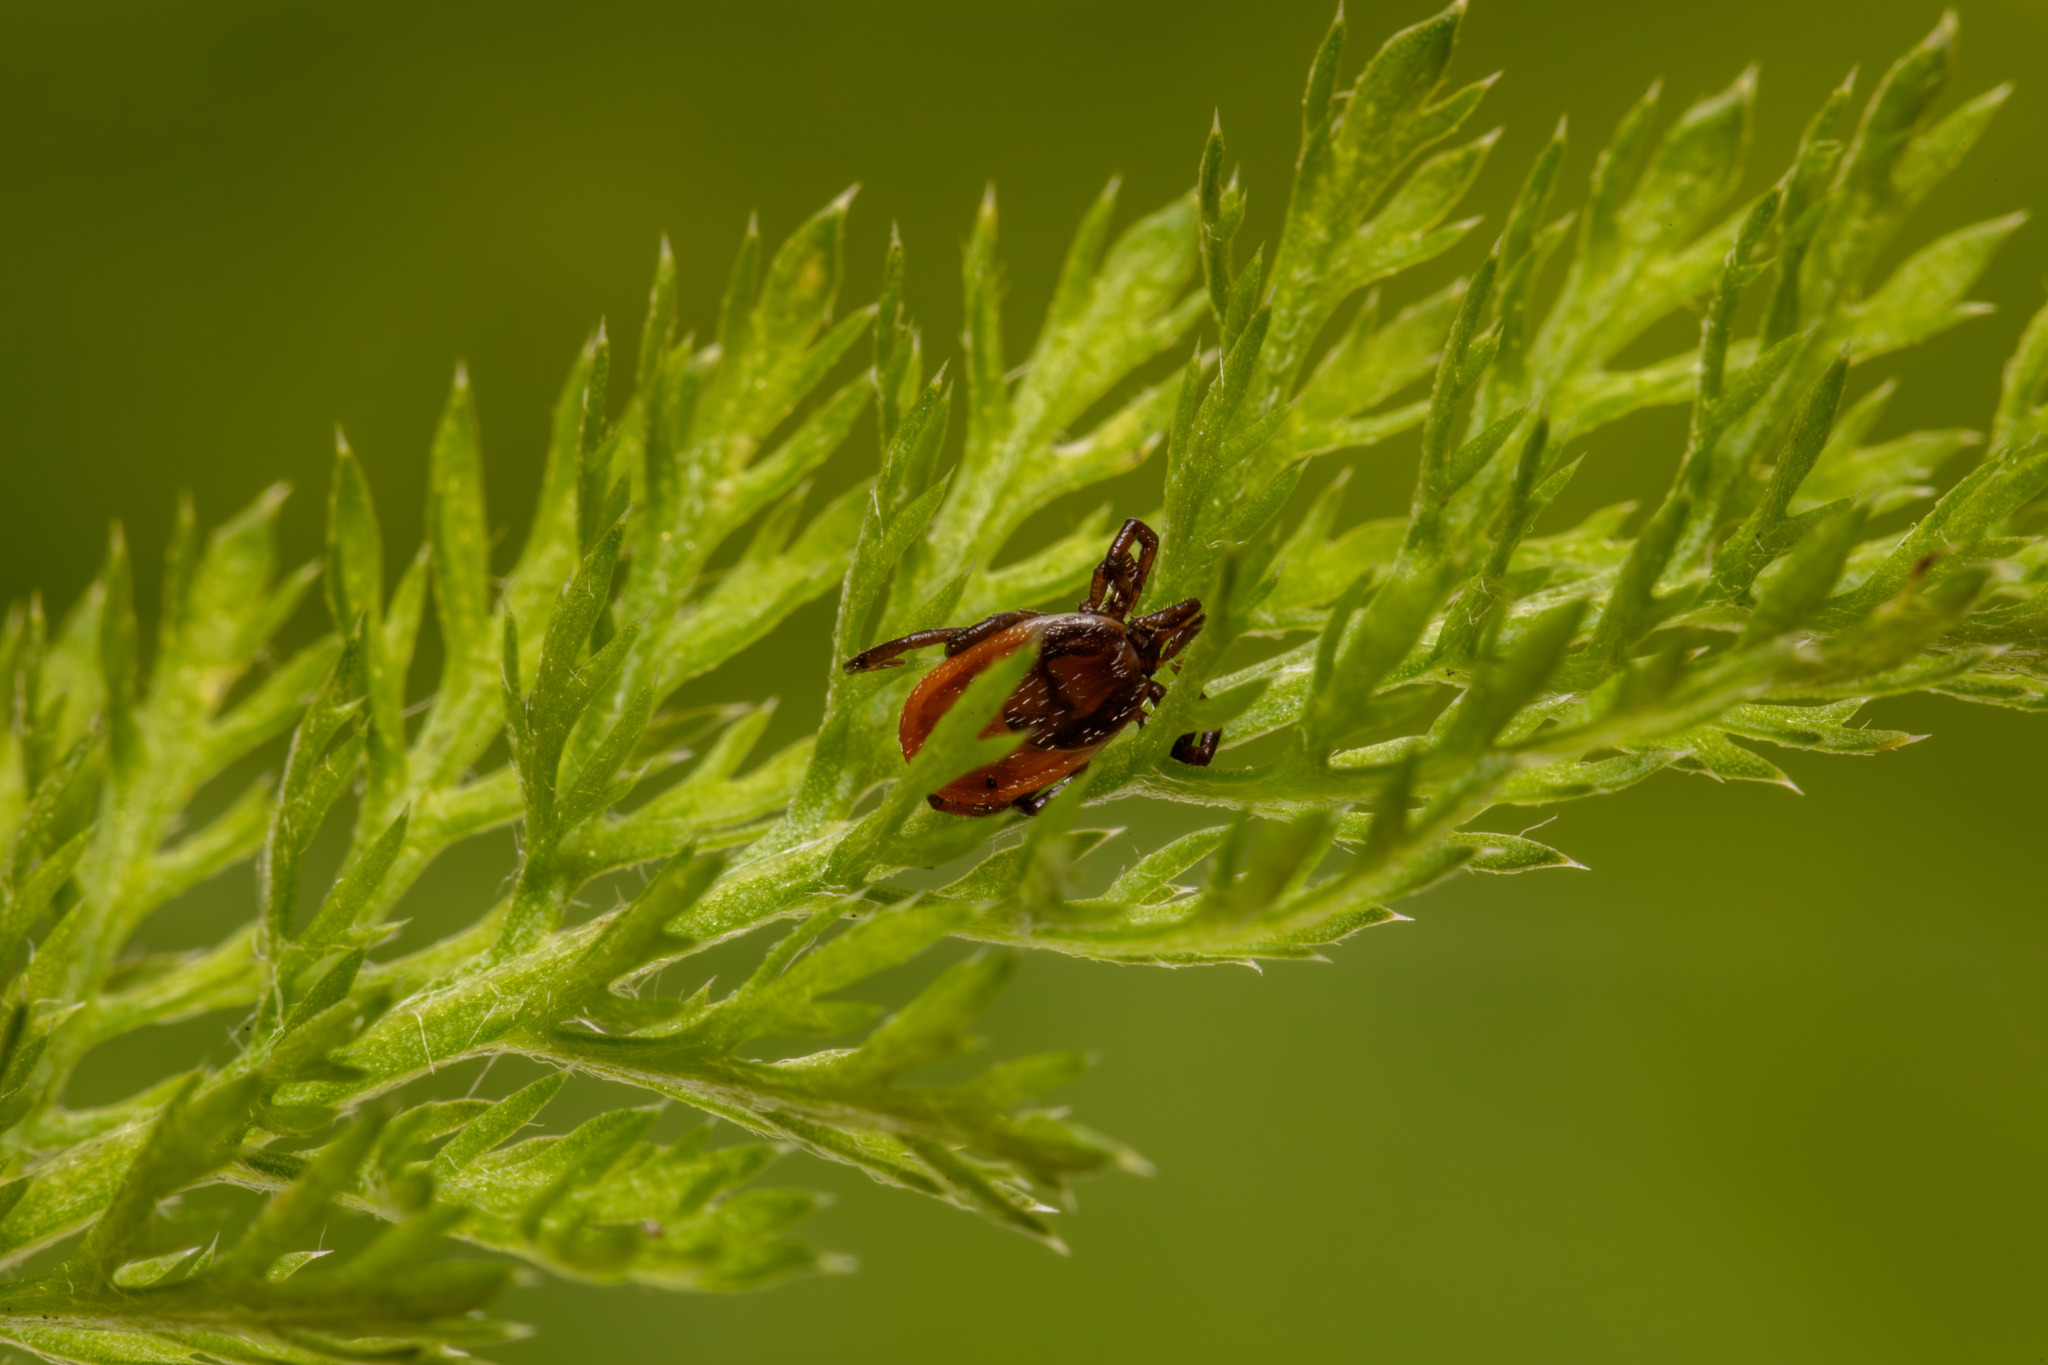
[(1382, 687)]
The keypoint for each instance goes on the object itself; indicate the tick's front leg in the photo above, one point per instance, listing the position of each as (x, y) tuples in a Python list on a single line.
[(1197, 752)]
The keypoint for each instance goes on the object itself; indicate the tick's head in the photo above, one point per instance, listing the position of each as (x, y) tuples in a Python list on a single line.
[(1144, 643), (1158, 638)]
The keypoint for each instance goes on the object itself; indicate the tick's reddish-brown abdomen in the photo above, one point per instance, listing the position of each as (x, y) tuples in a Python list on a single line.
[(994, 786)]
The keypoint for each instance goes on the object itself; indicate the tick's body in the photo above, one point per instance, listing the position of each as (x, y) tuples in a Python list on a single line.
[(1092, 677)]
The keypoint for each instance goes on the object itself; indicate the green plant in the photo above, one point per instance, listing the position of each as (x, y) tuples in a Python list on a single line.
[(1383, 686)]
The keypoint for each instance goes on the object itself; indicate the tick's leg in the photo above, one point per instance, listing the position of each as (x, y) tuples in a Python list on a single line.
[(1037, 801), (969, 636), (1155, 692), (1120, 580), (1040, 799), (954, 639), (1197, 752), (1168, 619), (1148, 542), (1146, 538), (1182, 622), (1177, 637), (884, 655), (1109, 593), (1174, 627)]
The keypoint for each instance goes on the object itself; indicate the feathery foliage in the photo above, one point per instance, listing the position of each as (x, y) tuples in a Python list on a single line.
[(1381, 687)]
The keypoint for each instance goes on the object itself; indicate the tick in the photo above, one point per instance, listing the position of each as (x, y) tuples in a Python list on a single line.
[(1093, 677)]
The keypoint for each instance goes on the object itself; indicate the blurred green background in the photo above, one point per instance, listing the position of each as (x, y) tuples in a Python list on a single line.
[(1768, 1083)]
